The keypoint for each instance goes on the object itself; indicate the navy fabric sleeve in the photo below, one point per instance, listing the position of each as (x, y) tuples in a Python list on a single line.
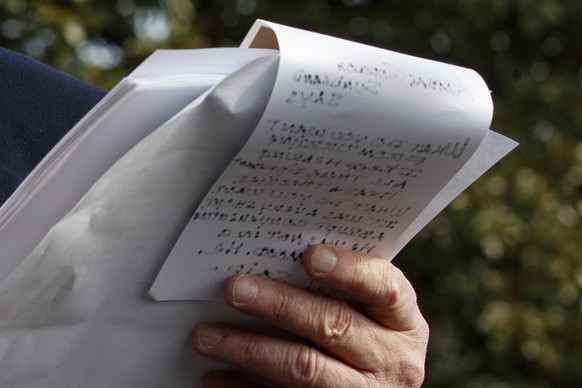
[(38, 105)]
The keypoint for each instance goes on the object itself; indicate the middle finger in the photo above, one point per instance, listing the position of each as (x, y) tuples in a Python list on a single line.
[(329, 323)]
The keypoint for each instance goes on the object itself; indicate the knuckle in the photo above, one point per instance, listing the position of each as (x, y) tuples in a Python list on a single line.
[(424, 332), (378, 281), (397, 289), (420, 337), (359, 274), (307, 368), (280, 310), (337, 321), (410, 372), (405, 372), (249, 349)]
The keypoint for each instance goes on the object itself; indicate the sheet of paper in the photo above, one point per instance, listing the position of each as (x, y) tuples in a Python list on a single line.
[(168, 80), (354, 144)]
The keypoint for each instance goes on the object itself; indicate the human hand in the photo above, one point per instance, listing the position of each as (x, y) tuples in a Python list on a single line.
[(381, 343)]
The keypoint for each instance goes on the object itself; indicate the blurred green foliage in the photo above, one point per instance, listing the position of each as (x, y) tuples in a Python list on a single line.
[(499, 273)]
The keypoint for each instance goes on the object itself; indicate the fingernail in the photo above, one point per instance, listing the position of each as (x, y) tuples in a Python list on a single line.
[(244, 289), (209, 336), (323, 260)]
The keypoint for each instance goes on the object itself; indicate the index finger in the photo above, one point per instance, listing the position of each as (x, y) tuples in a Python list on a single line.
[(387, 296)]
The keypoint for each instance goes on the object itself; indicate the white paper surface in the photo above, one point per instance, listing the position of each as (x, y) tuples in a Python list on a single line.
[(354, 145), (167, 81), (74, 312)]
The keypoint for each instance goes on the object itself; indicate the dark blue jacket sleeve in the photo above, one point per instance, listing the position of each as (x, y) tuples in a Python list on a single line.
[(38, 105)]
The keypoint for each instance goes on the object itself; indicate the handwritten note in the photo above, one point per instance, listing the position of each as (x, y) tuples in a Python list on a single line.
[(354, 143)]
